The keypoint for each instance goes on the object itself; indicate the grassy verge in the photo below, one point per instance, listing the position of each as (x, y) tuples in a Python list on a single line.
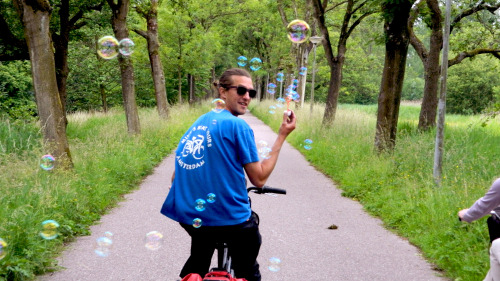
[(399, 187), (107, 164)]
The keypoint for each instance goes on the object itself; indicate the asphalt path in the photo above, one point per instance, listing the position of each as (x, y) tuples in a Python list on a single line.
[(295, 228)]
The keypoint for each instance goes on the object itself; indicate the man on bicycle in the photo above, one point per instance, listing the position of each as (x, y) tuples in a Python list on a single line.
[(208, 196)]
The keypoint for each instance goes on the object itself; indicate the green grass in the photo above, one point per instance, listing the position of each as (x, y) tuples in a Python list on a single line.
[(399, 187), (107, 164)]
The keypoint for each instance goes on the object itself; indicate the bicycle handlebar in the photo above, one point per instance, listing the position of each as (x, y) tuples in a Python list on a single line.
[(266, 189)]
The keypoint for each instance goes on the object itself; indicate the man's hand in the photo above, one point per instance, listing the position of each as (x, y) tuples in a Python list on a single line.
[(462, 213), (288, 124)]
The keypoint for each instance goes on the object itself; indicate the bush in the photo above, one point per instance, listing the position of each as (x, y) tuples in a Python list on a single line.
[(16, 96), (472, 86)]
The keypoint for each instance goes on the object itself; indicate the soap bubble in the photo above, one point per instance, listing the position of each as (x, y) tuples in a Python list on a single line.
[(218, 105), (3, 248), (255, 64), (274, 264), (211, 198), (103, 246), (303, 71), (49, 230), (279, 76), (126, 46), (307, 144), (242, 61), (281, 102), (200, 205), (298, 31), (197, 223), (107, 47), (154, 240), (263, 149), (271, 88), (47, 162), (272, 109), (108, 234)]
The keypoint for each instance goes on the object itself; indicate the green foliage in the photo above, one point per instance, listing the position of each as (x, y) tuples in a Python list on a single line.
[(16, 94), (107, 164), (473, 86), (399, 187)]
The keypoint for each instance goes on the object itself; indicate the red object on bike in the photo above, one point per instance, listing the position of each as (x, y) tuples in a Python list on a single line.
[(192, 277), (221, 276)]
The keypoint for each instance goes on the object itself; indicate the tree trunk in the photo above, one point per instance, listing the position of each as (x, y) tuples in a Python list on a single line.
[(61, 43), (151, 37), (104, 98), (396, 49), (35, 16), (427, 117), (179, 84), (191, 88), (304, 57), (119, 23)]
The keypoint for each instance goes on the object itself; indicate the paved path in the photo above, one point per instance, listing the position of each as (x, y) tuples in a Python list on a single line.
[(294, 228)]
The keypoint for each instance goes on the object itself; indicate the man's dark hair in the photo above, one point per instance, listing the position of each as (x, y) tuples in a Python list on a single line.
[(225, 79)]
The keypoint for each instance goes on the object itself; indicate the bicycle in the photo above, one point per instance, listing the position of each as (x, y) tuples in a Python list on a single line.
[(223, 271)]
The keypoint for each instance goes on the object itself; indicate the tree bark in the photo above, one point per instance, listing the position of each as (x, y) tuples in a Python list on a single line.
[(396, 48), (151, 37), (427, 118), (61, 43), (35, 16), (119, 23)]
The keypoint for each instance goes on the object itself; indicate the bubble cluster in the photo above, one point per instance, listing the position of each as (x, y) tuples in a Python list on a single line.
[(153, 240), (218, 105), (272, 109), (126, 46), (211, 198), (279, 77), (271, 88), (103, 246), (303, 71), (197, 223), (49, 230), (280, 102), (274, 264), (307, 144), (200, 205), (107, 47), (242, 61), (298, 31), (264, 150), (47, 162), (3, 248), (255, 64)]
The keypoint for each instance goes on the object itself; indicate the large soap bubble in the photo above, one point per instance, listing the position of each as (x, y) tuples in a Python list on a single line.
[(298, 31)]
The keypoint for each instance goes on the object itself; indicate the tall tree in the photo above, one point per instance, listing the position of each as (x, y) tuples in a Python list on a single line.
[(430, 56), (120, 10), (68, 22), (361, 9), (149, 11), (35, 16), (397, 37)]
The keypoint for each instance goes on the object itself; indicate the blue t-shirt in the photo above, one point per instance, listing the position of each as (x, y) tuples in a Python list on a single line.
[(209, 166)]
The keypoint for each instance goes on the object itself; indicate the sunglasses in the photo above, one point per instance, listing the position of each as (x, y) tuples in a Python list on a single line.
[(240, 90)]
